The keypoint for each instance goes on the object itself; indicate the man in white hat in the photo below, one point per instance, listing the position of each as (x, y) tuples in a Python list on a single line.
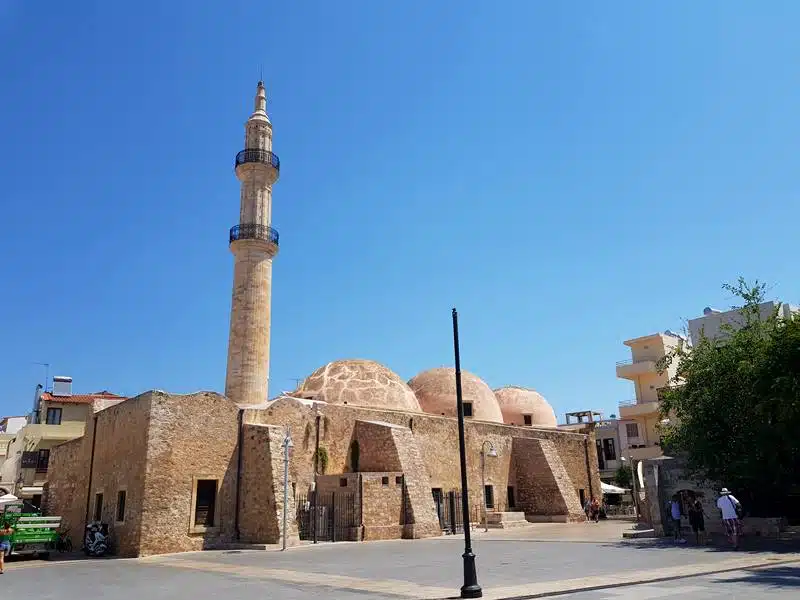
[(731, 508)]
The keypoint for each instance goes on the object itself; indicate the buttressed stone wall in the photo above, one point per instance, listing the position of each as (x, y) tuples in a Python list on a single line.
[(436, 439), (262, 487)]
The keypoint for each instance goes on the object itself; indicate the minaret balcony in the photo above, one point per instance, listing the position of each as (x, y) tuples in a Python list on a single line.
[(257, 155), (254, 231)]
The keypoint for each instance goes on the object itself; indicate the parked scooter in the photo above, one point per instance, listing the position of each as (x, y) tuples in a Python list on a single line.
[(96, 541)]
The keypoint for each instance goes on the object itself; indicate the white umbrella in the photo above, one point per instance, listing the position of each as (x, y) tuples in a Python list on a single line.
[(612, 489), (7, 499)]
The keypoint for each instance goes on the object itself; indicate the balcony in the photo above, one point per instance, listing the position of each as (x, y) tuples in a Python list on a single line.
[(631, 369), (644, 453), (67, 430), (630, 408), (253, 231), (257, 155)]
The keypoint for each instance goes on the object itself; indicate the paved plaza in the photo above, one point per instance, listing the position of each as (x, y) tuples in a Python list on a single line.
[(511, 564)]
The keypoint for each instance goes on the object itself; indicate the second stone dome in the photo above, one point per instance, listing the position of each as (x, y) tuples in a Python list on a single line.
[(358, 382), (436, 393), (522, 406)]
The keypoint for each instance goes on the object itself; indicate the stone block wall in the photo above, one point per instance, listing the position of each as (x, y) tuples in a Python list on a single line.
[(193, 436), (67, 485), (261, 499), (435, 437), (382, 499), (119, 465), (544, 487)]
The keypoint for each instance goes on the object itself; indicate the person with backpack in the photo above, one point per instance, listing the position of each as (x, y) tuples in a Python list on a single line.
[(731, 510)]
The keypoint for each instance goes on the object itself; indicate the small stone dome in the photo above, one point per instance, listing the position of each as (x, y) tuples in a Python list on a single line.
[(358, 382), (436, 393), (517, 402)]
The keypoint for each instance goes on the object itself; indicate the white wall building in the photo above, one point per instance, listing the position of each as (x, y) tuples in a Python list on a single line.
[(711, 323)]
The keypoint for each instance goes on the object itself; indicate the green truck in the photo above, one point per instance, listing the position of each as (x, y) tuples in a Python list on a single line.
[(33, 533)]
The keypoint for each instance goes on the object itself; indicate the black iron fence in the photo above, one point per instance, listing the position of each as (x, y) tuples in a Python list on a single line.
[(253, 231), (448, 509), (257, 155), (327, 516)]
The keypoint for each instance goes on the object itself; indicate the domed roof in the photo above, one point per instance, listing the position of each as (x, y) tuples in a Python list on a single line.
[(358, 382), (436, 393), (517, 402)]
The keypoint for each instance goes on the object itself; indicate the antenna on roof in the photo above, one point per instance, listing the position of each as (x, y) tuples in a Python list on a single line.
[(46, 373)]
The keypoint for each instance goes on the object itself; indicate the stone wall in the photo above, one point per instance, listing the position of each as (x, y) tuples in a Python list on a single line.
[(436, 439), (67, 485), (382, 499), (544, 488), (390, 447), (261, 499), (119, 465), (664, 477), (191, 437)]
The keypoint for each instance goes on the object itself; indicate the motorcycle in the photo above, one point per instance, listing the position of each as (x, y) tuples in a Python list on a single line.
[(96, 541)]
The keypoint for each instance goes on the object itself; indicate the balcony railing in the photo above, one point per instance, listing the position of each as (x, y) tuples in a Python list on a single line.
[(630, 402), (257, 155), (631, 361), (253, 231)]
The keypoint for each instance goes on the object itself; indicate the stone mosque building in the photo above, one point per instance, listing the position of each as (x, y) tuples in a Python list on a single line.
[(371, 456)]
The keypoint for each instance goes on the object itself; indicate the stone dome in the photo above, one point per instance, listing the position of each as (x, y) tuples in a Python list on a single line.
[(518, 402), (436, 393), (358, 382)]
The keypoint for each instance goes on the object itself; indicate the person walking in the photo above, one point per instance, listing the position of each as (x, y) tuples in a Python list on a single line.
[(5, 543), (675, 514), (596, 510), (697, 519), (731, 510)]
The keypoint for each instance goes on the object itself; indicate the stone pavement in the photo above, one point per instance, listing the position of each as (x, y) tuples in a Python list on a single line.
[(753, 584), (511, 564)]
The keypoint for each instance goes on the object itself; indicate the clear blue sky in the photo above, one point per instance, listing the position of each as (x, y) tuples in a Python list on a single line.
[(568, 174)]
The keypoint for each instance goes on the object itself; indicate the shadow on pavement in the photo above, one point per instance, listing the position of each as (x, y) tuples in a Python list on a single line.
[(755, 545), (778, 577)]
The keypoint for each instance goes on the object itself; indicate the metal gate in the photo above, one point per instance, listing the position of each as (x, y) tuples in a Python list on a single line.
[(336, 516), (448, 508)]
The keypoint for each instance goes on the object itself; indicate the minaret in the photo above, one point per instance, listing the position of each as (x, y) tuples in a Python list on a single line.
[(254, 243)]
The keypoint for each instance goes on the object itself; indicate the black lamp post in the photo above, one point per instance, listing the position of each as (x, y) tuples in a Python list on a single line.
[(470, 589)]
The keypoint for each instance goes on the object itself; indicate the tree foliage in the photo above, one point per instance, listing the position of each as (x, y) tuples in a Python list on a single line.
[(734, 405), (624, 477)]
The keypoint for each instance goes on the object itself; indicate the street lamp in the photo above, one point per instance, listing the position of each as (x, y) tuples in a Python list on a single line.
[(633, 482), (287, 448), (484, 453), (470, 589), (316, 472)]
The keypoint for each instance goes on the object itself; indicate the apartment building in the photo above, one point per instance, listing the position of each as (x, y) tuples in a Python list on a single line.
[(58, 416), (639, 416), (715, 324)]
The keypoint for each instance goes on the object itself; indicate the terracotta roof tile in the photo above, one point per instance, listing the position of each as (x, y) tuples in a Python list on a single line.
[(81, 398)]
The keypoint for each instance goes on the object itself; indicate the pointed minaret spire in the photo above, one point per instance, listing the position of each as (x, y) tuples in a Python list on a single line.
[(254, 243), (260, 104)]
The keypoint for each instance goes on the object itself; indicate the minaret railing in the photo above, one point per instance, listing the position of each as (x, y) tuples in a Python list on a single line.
[(256, 155)]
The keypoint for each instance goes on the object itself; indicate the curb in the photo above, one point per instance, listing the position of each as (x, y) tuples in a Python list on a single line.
[(640, 580)]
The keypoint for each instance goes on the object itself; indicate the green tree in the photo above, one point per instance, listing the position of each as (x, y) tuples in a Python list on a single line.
[(734, 406), (623, 477)]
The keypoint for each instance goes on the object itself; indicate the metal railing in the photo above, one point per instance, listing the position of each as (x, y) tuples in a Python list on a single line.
[(257, 155), (631, 361), (630, 402), (253, 231), (337, 516)]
